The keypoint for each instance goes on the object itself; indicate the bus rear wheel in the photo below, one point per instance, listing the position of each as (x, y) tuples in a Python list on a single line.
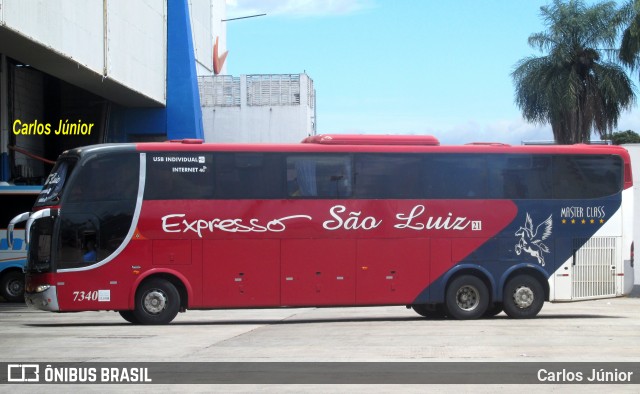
[(523, 297), (494, 309), (467, 297), (157, 302)]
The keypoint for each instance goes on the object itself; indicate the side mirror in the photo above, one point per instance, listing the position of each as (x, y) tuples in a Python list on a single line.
[(12, 224), (44, 213)]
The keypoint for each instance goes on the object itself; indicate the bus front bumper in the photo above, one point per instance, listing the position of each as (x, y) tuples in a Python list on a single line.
[(46, 300)]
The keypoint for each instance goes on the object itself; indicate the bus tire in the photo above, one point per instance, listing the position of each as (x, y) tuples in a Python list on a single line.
[(467, 297), (157, 302), (494, 309), (523, 297), (129, 316), (12, 286), (430, 312)]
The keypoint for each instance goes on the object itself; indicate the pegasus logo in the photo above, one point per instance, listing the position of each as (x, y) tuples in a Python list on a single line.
[(531, 241)]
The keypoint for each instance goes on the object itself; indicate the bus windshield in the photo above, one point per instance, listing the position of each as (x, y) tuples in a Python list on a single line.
[(53, 186), (98, 203)]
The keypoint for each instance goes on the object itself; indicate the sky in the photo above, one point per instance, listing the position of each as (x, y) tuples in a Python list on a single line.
[(400, 66)]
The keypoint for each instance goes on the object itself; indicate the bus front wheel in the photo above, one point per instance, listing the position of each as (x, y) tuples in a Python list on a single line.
[(467, 297), (523, 297), (129, 316), (157, 302)]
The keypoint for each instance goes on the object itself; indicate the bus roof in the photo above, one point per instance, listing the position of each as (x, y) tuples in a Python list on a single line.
[(378, 143), (355, 143), (364, 139)]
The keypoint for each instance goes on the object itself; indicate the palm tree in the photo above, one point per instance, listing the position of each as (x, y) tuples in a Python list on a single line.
[(630, 45), (572, 87)]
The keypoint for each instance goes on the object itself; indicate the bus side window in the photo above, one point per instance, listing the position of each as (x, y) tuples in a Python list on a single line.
[(515, 186), (520, 176), (249, 175), (586, 176), (179, 176), (456, 176), (320, 176), (380, 175)]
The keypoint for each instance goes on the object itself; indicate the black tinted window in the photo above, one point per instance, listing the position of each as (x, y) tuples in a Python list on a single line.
[(586, 176), (114, 177), (179, 175), (55, 182), (452, 176), (97, 209), (255, 175), (321, 176), (388, 176), (248, 175), (520, 176)]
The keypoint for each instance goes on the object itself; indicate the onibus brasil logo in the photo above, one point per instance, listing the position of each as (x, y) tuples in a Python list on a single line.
[(531, 239)]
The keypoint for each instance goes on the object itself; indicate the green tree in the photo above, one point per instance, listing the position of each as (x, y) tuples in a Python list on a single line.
[(573, 87), (625, 137), (630, 44)]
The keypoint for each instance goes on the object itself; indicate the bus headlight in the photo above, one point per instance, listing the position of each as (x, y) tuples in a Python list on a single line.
[(41, 288)]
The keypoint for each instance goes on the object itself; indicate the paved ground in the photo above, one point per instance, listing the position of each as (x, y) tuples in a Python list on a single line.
[(596, 331)]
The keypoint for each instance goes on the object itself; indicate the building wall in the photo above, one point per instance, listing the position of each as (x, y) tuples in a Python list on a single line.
[(124, 43), (206, 24), (276, 108), (129, 67), (137, 46), (74, 28)]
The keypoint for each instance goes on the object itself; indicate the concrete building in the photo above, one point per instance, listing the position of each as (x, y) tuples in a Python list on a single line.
[(276, 108), (77, 72)]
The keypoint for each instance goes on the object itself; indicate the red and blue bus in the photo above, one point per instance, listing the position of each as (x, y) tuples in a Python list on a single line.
[(153, 229)]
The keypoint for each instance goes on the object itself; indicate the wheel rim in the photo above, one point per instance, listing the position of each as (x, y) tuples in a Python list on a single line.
[(15, 288), (467, 298), (155, 301), (523, 297)]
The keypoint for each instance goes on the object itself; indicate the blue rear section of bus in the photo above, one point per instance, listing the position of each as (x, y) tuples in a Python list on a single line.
[(571, 224), (14, 256)]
